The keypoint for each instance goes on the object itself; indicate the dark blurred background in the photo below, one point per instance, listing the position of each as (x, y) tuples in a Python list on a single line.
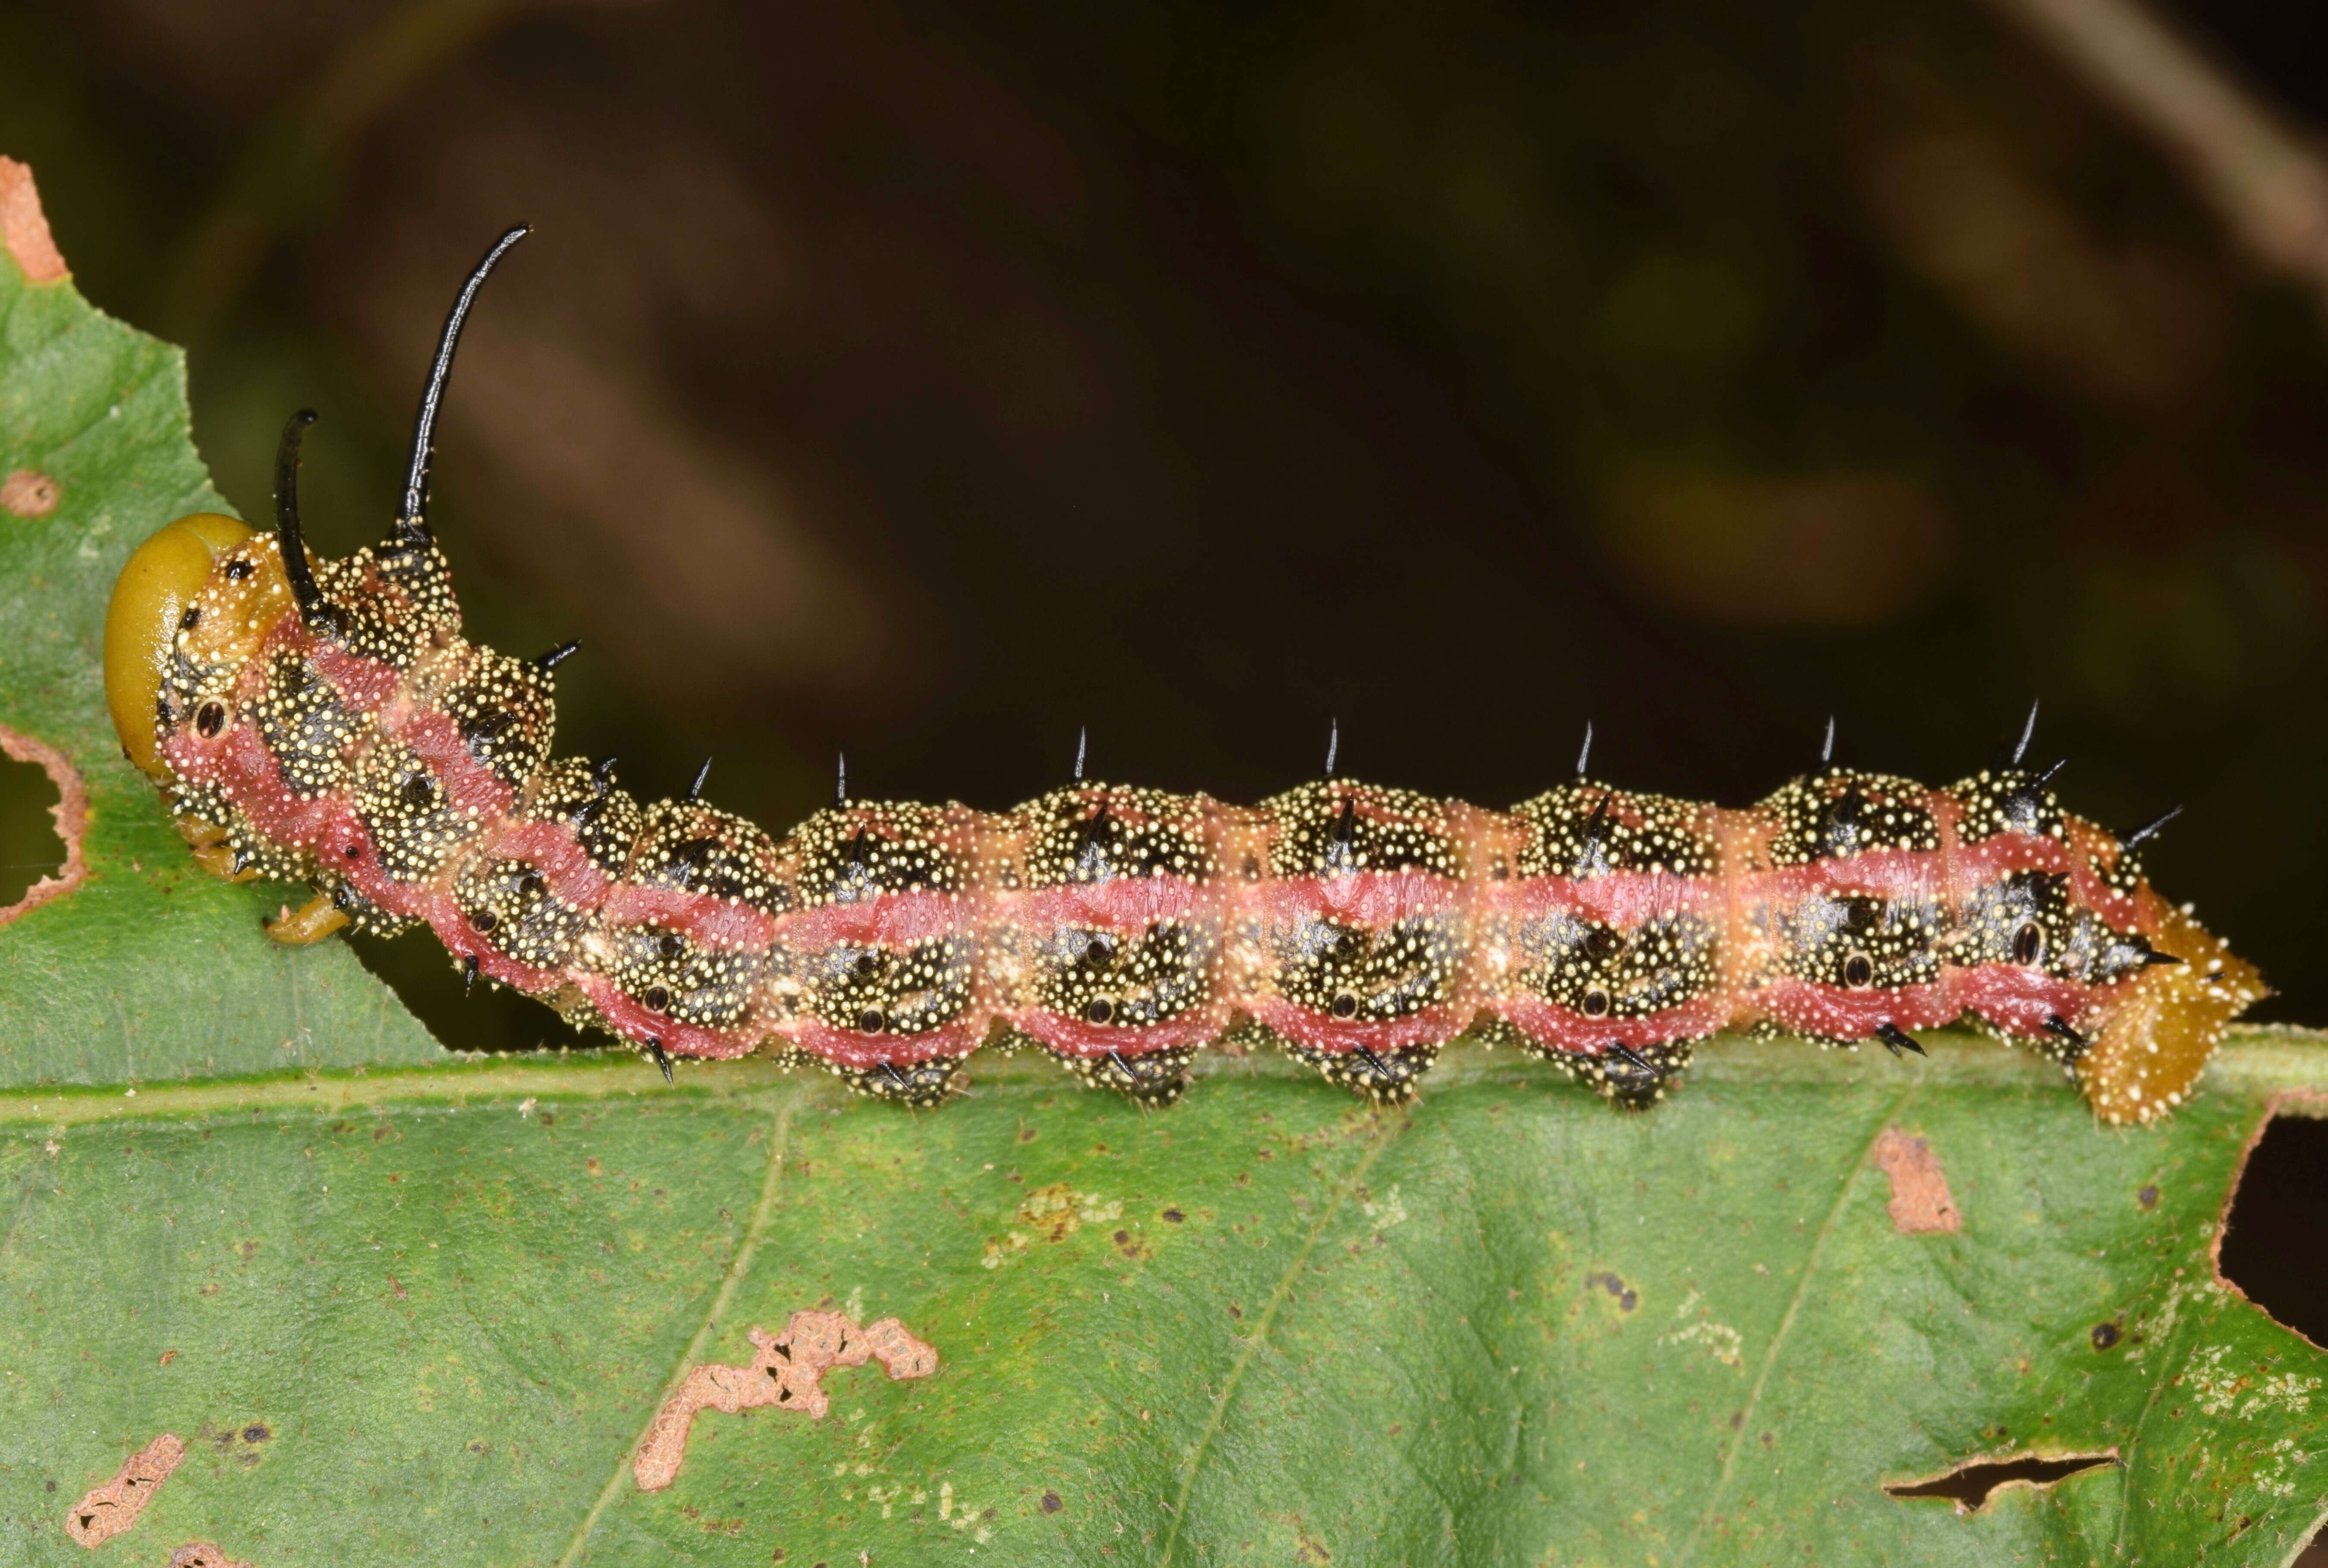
[(925, 382)]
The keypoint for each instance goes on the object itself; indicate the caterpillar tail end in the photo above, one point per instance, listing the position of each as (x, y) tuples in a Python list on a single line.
[(2156, 1041)]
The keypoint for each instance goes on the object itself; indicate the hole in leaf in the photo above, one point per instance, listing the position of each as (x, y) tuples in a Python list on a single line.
[(2275, 1246), (485, 1018), (1970, 1486), (29, 848)]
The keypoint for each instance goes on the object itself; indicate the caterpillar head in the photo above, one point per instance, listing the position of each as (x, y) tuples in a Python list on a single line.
[(154, 600)]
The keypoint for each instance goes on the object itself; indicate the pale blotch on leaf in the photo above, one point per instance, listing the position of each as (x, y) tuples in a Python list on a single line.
[(1920, 1200), (28, 493), (787, 1371), (203, 1554), (113, 1508)]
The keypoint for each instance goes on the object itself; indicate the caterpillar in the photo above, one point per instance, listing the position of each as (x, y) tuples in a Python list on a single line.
[(325, 722)]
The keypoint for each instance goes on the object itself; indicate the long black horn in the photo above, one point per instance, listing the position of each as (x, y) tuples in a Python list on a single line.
[(412, 520), (287, 519)]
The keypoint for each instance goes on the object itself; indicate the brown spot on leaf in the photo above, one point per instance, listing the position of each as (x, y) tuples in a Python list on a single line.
[(202, 1555), (113, 1508), (1627, 1297), (1919, 1188), (27, 493), (2104, 1335), (71, 812), (2147, 1197), (786, 1372), (1051, 1504), (24, 227), (1173, 1216)]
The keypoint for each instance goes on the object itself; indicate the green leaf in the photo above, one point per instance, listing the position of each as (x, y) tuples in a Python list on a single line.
[(404, 1308)]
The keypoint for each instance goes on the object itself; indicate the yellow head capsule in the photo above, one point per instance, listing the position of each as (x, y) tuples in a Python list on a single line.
[(150, 597)]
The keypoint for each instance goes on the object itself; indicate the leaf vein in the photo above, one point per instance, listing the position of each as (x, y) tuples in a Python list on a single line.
[(738, 1266), (1250, 1345), (1786, 1320)]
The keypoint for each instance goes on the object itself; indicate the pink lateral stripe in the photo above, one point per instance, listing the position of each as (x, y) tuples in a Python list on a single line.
[(1359, 899), (1124, 904), (1806, 1007), (720, 922), (1992, 860), (2018, 1001), (365, 685), (469, 784), (1564, 1029), (1889, 874), (555, 851), (1340, 1036), (633, 1022), (1623, 899), (848, 1048), (886, 920), (238, 762)]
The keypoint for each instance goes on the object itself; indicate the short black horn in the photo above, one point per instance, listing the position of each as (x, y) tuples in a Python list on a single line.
[(287, 538)]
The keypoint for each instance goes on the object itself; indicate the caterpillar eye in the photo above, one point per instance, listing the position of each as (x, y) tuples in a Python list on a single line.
[(419, 791), (239, 570), (1345, 1004), (670, 945), (1603, 944), (1099, 1010), (866, 967), (483, 921), (1858, 971), (1596, 1002), (2028, 945), (208, 719), (870, 1022), (528, 884), (656, 998)]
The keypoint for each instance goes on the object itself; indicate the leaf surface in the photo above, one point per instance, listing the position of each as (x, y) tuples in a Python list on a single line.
[(401, 1308)]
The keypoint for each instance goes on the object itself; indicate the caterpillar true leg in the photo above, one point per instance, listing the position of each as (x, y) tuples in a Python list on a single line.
[(326, 723), (312, 922)]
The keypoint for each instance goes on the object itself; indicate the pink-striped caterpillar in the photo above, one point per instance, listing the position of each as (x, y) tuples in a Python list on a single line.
[(326, 723)]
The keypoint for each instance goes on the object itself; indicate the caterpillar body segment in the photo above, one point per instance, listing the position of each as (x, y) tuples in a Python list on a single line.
[(326, 723)]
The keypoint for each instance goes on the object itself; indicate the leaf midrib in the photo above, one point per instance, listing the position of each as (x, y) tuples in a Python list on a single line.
[(2254, 1061)]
